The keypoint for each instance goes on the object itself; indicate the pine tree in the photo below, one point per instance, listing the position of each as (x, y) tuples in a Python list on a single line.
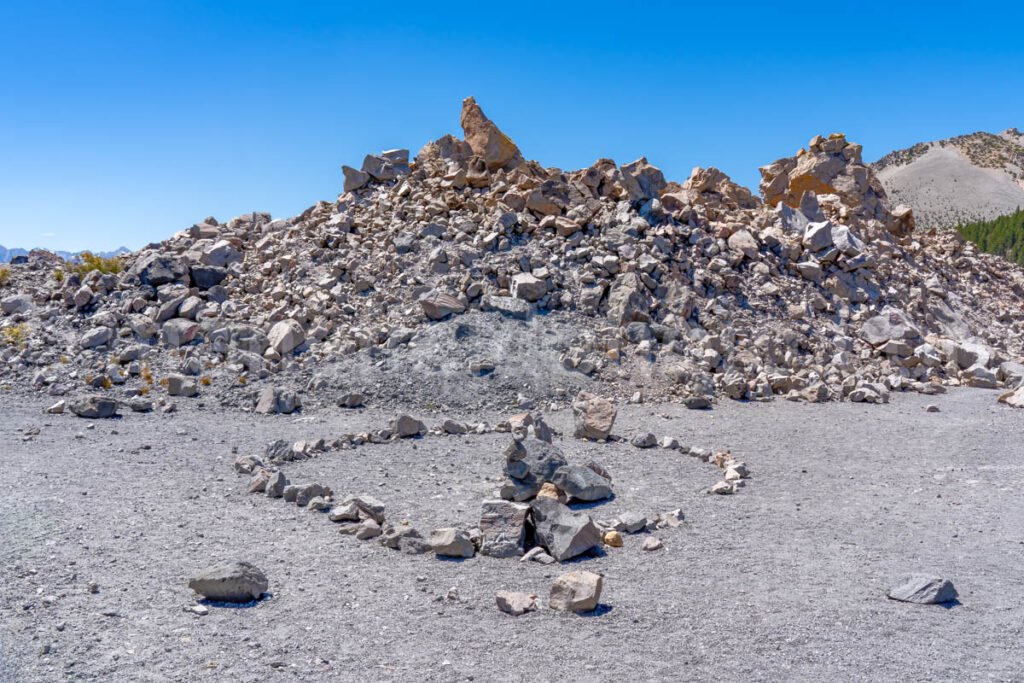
[(1003, 236)]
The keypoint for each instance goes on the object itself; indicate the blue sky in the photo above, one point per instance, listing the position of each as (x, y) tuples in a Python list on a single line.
[(123, 122)]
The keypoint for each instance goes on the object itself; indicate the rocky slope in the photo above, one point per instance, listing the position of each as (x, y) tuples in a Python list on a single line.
[(470, 274), (970, 177)]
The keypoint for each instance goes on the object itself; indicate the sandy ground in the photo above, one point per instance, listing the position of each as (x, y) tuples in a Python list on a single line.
[(784, 581)]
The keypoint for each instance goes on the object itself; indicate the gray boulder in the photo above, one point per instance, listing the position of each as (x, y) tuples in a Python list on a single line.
[(405, 538), (276, 485), (205, 277), (582, 483), (563, 533), (179, 385), (275, 400), (97, 336), (922, 589), (406, 426), (309, 492), (230, 582), (16, 303), (647, 440), (451, 542), (159, 269), (93, 407), (532, 460), (503, 525)]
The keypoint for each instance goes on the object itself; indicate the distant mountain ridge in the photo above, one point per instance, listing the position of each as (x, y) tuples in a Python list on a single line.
[(978, 176), (9, 254)]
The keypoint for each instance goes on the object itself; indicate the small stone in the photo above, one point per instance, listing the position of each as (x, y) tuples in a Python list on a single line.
[(515, 603), (318, 504), (722, 488), (612, 539), (651, 543), (647, 440), (697, 402), (346, 512), (451, 542), (368, 529), (633, 522), (368, 507), (931, 408)]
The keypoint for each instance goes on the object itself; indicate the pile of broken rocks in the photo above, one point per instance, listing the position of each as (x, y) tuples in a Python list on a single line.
[(817, 290)]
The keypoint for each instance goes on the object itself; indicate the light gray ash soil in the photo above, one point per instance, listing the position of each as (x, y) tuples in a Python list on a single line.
[(785, 580)]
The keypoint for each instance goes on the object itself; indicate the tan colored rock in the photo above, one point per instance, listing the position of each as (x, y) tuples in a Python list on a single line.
[(286, 335), (578, 591), (486, 139), (612, 539), (1014, 398), (593, 416), (515, 604), (439, 305), (549, 490)]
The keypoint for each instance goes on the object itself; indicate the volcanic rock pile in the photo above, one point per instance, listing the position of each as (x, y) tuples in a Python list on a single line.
[(820, 291)]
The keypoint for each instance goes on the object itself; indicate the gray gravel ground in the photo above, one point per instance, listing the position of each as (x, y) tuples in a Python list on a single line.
[(784, 581)]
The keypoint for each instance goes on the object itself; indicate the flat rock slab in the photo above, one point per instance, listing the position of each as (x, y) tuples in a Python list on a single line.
[(922, 589)]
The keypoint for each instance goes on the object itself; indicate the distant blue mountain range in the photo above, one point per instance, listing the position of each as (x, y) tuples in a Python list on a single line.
[(7, 255)]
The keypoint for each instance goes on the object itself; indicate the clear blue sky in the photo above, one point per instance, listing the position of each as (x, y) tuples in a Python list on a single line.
[(123, 122)]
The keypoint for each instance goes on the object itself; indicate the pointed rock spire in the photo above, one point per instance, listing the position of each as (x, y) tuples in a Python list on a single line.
[(486, 139)]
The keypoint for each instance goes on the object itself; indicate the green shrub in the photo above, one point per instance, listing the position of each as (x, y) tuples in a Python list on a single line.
[(15, 335), (90, 262)]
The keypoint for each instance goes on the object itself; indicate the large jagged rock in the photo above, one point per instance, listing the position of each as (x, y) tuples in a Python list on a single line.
[(582, 483), (832, 166), (563, 533), (642, 180), (486, 139), (159, 268)]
